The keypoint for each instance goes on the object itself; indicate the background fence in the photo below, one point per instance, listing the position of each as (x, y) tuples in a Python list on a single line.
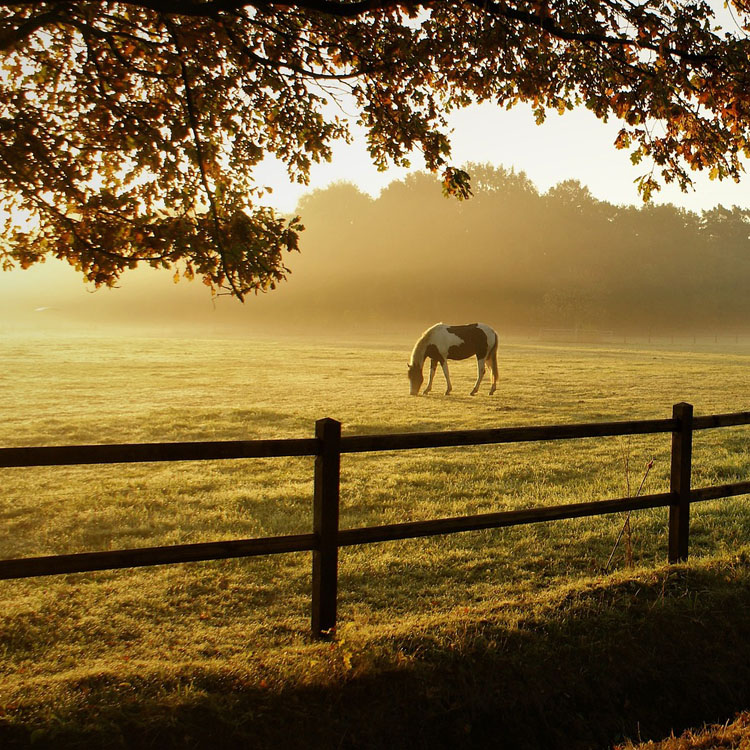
[(326, 538)]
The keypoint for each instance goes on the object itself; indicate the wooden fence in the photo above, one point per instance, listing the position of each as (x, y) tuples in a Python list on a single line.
[(326, 538)]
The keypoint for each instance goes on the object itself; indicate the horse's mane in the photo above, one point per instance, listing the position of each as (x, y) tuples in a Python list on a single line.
[(417, 353)]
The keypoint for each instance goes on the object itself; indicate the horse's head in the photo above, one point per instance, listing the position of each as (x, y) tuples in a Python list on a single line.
[(415, 379)]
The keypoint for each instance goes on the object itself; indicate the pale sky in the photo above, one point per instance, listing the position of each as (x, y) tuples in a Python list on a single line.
[(571, 146)]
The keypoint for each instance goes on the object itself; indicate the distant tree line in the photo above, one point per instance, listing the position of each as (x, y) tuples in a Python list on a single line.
[(520, 258)]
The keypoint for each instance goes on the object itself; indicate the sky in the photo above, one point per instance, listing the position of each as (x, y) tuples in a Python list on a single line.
[(575, 145)]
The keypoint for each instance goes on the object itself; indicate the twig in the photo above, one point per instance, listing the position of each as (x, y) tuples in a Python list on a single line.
[(626, 525)]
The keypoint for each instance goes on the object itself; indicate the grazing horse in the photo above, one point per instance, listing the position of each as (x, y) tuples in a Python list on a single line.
[(441, 343)]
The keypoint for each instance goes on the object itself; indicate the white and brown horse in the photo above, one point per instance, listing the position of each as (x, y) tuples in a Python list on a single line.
[(441, 343)]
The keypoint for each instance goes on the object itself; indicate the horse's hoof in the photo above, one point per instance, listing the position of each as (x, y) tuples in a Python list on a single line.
[(473, 393)]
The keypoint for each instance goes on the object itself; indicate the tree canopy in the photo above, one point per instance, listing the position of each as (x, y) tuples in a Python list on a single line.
[(129, 130)]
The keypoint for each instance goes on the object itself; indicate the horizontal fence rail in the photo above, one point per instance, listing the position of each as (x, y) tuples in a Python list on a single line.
[(453, 438), (413, 529), (83, 562), (70, 455), (326, 538), (721, 420)]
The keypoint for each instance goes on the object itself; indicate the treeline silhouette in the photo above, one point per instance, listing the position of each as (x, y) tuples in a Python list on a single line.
[(511, 256), (516, 257)]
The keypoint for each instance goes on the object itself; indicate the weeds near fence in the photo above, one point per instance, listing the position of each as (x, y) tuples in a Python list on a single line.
[(626, 527)]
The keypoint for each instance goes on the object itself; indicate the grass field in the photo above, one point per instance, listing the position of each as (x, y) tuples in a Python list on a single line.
[(107, 656)]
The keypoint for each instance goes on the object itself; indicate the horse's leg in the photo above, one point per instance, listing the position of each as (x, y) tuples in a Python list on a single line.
[(448, 386), (493, 367), (433, 367), (480, 375)]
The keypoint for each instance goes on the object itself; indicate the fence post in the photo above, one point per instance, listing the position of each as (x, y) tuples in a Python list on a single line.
[(679, 485), (326, 527)]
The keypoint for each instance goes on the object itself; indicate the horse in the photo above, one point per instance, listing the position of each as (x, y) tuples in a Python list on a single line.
[(442, 342)]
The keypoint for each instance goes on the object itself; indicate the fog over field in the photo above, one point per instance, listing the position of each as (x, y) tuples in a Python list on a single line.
[(520, 259)]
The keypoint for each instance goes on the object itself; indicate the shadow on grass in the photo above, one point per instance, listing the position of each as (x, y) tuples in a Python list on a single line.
[(585, 667)]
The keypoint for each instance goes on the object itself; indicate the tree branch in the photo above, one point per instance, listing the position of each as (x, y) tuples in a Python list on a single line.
[(546, 23), (12, 36), (193, 119), (338, 9)]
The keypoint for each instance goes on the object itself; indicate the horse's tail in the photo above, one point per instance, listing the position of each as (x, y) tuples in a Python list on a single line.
[(493, 357)]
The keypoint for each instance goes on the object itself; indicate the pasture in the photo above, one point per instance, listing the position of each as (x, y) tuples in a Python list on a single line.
[(74, 649)]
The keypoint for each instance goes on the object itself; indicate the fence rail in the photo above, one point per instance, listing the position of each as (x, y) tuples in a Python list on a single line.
[(326, 538), (70, 455)]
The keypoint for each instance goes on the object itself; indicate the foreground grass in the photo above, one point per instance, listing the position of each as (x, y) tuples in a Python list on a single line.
[(484, 630), (636, 654), (734, 735)]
